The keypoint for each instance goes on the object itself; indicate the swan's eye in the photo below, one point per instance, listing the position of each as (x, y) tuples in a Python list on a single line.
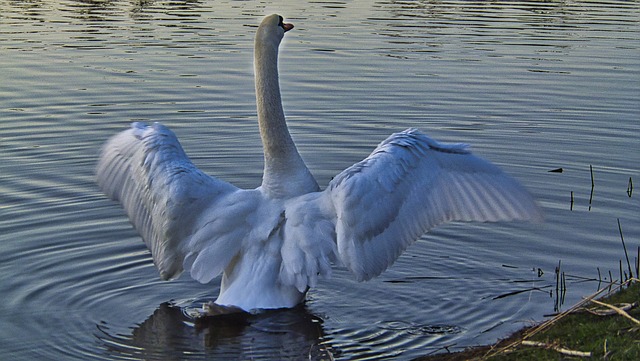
[(281, 21)]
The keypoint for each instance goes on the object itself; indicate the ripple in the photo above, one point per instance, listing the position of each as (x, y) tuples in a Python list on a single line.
[(416, 329)]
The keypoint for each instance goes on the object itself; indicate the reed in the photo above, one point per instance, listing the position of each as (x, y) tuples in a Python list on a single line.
[(592, 186), (638, 263), (561, 287), (571, 208), (626, 254)]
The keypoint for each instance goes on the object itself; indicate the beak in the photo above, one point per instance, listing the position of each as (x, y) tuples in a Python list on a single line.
[(287, 27)]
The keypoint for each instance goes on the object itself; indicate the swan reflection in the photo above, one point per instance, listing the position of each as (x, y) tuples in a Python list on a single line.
[(170, 333)]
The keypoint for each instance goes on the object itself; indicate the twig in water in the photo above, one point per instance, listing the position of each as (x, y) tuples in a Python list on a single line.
[(629, 187)]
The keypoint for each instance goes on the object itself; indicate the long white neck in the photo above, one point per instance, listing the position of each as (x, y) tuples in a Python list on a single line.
[(285, 173)]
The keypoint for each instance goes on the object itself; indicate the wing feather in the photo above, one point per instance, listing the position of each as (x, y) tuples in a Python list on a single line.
[(162, 192), (408, 185)]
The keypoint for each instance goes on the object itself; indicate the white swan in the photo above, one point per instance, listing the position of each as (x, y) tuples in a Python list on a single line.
[(274, 242)]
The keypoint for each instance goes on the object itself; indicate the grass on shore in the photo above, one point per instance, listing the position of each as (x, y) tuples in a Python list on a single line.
[(573, 334)]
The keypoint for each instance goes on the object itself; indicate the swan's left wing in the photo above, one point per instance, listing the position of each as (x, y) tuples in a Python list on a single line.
[(409, 184)]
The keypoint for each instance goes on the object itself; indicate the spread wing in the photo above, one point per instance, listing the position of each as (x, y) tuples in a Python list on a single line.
[(372, 211), (170, 202), (410, 184)]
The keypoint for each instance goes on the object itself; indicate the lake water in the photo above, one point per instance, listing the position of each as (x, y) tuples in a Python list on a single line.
[(532, 85)]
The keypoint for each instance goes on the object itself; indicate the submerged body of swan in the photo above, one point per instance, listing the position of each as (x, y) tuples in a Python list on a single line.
[(274, 242)]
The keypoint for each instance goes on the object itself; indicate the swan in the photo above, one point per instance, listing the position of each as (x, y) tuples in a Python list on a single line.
[(273, 243)]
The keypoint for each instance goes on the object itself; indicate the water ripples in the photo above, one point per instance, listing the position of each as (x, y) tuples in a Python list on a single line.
[(533, 86)]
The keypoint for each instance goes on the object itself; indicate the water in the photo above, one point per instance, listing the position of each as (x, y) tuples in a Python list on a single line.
[(533, 86)]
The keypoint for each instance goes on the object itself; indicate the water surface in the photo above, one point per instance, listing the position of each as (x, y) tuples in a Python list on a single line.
[(533, 86)]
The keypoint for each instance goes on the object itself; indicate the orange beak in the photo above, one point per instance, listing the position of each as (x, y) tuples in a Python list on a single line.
[(287, 27)]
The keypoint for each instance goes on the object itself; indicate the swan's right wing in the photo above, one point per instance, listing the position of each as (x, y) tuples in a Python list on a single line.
[(408, 185), (164, 195)]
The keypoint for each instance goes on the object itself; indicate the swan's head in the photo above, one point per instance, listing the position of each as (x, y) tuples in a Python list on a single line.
[(272, 29)]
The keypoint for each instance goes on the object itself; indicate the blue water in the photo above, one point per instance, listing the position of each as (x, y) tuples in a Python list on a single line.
[(532, 86)]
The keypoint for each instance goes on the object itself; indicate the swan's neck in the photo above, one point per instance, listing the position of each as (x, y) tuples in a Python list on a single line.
[(285, 173), (273, 128)]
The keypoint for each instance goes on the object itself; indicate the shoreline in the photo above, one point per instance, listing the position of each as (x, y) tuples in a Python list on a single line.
[(601, 327)]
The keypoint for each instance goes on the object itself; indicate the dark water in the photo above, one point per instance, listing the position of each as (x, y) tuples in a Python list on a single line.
[(533, 86)]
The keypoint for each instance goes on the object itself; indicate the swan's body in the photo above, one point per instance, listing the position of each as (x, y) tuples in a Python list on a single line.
[(274, 242)]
